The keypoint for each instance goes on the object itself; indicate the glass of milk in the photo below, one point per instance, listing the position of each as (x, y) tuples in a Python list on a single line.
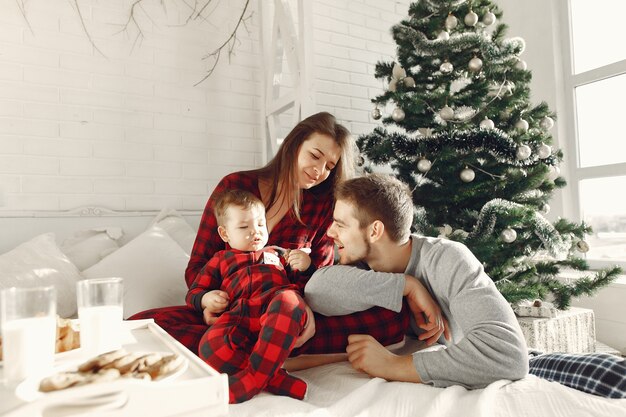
[(28, 322), (100, 308)]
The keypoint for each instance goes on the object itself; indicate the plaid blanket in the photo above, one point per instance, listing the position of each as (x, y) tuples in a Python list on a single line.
[(596, 373)]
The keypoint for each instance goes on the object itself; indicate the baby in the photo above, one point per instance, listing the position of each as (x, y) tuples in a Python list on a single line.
[(262, 311)]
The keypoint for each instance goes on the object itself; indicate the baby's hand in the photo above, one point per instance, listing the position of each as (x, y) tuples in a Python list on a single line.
[(215, 301), (298, 260)]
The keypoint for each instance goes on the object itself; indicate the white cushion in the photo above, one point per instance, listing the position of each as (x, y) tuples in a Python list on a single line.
[(87, 247), (177, 227), (40, 262), (152, 266)]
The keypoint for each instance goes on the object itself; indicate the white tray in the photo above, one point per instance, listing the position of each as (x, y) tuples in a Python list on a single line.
[(197, 388)]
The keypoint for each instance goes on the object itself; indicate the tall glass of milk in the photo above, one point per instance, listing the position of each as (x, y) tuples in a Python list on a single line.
[(28, 322), (100, 309)]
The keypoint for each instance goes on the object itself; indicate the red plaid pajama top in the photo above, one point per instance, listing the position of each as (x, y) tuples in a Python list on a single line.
[(331, 335)]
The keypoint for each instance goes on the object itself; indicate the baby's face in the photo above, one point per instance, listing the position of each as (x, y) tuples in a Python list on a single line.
[(245, 229)]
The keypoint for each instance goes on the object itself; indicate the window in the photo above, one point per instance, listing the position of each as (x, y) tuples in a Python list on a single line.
[(595, 81)]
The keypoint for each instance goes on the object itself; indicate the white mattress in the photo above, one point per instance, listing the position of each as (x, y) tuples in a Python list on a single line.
[(338, 390)]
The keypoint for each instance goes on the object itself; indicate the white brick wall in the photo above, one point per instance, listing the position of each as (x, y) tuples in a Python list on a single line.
[(128, 131), (350, 37), (131, 131)]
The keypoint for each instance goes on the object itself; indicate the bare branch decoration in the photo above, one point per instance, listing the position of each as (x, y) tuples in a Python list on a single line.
[(82, 22), (197, 10), (230, 43)]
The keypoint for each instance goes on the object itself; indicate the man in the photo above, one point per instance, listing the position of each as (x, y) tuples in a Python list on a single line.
[(371, 227)]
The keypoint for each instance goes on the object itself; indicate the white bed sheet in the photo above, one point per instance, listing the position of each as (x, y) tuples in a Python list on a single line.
[(338, 390)]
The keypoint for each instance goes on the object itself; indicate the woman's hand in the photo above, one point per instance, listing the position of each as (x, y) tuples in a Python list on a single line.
[(298, 260), (427, 312), (309, 328)]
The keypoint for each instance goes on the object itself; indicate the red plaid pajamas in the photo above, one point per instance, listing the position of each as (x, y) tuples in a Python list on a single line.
[(252, 338), (188, 327)]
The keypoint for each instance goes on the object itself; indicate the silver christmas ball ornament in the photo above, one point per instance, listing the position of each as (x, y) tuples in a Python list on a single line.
[(451, 22), (546, 123), (475, 64), (409, 82), (487, 123), (544, 151), (582, 246), (521, 65), (397, 114), (376, 114), (471, 18), (444, 35), (508, 235), (489, 18), (467, 175), (446, 67), (523, 152), (553, 172), (522, 125), (446, 113), (423, 165)]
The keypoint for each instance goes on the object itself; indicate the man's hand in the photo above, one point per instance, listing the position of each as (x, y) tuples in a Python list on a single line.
[(309, 328), (367, 355), (426, 311)]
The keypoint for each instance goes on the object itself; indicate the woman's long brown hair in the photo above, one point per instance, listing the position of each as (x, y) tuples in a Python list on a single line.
[(281, 169)]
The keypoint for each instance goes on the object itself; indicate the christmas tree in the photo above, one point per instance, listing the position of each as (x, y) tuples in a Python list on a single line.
[(477, 154)]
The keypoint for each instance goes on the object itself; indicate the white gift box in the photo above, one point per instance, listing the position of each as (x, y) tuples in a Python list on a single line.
[(570, 331)]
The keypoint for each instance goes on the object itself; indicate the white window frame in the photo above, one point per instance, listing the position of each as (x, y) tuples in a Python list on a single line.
[(576, 173)]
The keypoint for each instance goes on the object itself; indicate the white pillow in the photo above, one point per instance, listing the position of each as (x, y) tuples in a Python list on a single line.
[(177, 227), (152, 266), (86, 247), (40, 262)]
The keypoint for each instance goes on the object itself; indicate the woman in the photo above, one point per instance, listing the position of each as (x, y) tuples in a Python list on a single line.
[(296, 187)]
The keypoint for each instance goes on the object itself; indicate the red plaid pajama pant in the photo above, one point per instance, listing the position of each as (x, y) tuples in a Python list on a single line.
[(251, 342)]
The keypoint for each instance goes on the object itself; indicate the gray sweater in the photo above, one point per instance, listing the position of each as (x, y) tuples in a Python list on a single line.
[(487, 344)]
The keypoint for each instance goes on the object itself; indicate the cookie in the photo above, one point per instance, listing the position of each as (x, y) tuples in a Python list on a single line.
[(60, 381), (93, 365), (140, 363), (165, 366)]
